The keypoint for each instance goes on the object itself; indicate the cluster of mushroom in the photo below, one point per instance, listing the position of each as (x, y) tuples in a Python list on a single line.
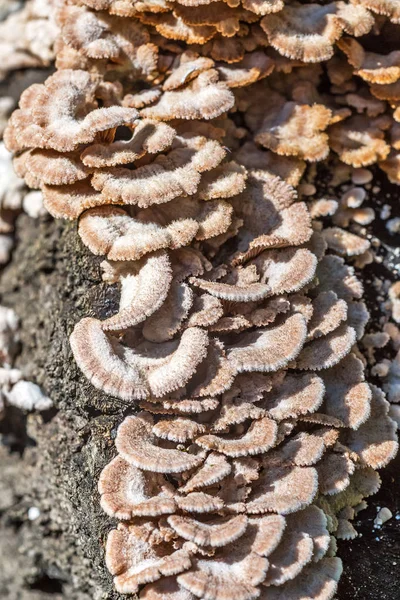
[(237, 328)]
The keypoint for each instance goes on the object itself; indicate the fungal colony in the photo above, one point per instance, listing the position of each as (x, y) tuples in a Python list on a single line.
[(177, 135)]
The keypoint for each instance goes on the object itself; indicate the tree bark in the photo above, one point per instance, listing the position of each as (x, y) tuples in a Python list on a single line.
[(52, 461)]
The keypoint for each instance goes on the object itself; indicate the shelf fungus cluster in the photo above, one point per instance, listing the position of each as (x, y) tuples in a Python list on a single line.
[(177, 134)]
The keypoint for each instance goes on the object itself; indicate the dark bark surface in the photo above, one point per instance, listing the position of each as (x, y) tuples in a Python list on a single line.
[(52, 461)]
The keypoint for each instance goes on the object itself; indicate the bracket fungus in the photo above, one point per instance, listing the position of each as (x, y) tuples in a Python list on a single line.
[(177, 134)]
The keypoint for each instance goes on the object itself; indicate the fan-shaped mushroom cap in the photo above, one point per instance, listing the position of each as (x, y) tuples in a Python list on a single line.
[(328, 313), (372, 67), (358, 317), (189, 68), (295, 396), (266, 227), (215, 534), (199, 502), (305, 532), (305, 449), (287, 269), (288, 168), (389, 8), (180, 407), (391, 166), (110, 230), (359, 141), (156, 369), (215, 468), (318, 581), (308, 32), (260, 437), (225, 181), (127, 491), (178, 429), (327, 351), (167, 177), (203, 98), (53, 168), (206, 311), (69, 201), (263, 7), (254, 66), (147, 137), (132, 556), (375, 441), (334, 472), (347, 396), (334, 275), (236, 573), (166, 321), (293, 129), (225, 18), (283, 489), (134, 443), (234, 412), (215, 374), (143, 292), (344, 242), (242, 291), (165, 589), (61, 114), (174, 28), (269, 349), (98, 35)]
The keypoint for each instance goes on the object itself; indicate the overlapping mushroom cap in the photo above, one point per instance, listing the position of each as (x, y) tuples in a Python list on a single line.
[(176, 133)]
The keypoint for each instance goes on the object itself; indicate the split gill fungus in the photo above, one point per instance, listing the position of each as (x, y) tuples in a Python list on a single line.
[(176, 134)]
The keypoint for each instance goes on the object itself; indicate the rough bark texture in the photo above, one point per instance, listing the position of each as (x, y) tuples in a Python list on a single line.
[(52, 461)]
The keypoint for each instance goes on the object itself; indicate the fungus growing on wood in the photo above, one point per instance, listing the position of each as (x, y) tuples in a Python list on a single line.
[(177, 134)]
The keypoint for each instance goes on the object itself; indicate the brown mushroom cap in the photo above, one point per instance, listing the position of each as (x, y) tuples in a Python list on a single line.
[(215, 468), (61, 114), (389, 8), (127, 491), (147, 137), (165, 589), (295, 396), (269, 349), (134, 443), (132, 556), (216, 534), (283, 490), (169, 176), (375, 441), (204, 98), (327, 351), (135, 374), (305, 534), (347, 396), (260, 436), (143, 292), (236, 573), (308, 32), (317, 581), (110, 230)]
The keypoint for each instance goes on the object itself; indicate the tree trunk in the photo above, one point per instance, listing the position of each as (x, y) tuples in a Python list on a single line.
[(52, 460)]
